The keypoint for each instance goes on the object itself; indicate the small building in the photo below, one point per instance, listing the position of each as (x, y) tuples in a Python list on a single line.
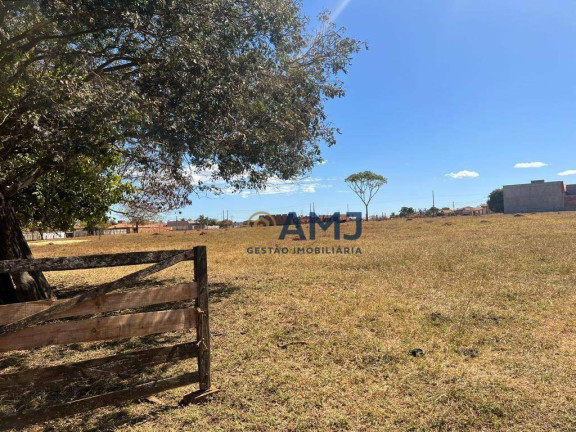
[(119, 228), (154, 228), (472, 211), (41, 235), (183, 225), (539, 196)]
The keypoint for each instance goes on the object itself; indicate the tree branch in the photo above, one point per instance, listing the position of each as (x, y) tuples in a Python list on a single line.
[(25, 182), (45, 166)]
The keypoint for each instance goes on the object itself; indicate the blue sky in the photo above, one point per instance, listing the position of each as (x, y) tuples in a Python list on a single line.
[(464, 87)]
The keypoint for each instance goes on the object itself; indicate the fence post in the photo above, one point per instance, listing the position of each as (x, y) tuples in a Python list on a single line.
[(203, 327)]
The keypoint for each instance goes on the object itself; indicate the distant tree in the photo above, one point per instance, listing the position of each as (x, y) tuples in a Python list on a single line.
[(366, 185), (432, 211), (202, 220), (496, 201), (206, 221), (211, 221), (139, 214), (97, 227), (226, 223), (406, 212)]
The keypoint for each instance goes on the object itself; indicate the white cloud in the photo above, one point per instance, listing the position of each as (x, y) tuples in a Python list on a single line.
[(272, 190), (288, 187), (274, 185), (203, 175), (530, 165), (567, 173), (463, 174), (312, 187), (309, 188)]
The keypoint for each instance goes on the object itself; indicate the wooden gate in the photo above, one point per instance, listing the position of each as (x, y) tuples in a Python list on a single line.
[(19, 330)]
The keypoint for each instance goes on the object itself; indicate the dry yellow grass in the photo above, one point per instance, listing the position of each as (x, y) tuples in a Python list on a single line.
[(491, 301)]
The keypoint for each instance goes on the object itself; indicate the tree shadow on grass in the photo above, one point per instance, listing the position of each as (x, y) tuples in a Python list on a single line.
[(15, 359), (120, 417), (221, 291), (30, 398)]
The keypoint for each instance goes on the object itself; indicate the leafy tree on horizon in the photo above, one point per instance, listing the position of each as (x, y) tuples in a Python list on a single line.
[(206, 221), (366, 185), (146, 95), (406, 211), (496, 201), (432, 211)]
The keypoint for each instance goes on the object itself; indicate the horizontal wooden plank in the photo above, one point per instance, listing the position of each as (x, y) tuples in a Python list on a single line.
[(90, 403), (94, 293), (134, 361), (86, 261), (109, 328), (106, 303)]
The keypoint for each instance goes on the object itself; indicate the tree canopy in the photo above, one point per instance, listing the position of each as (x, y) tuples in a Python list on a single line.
[(77, 192), (235, 88), (366, 185), (206, 221), (151, 100), (406, 212), (496, 201)]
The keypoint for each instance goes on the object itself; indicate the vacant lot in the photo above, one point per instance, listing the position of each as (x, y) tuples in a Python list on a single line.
[(304, 343)]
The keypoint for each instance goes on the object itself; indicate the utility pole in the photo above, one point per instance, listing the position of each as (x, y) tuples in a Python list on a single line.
[(433, 204)]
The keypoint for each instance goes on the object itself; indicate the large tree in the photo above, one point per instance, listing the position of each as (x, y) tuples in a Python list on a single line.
[(366, 185), (164, 89)]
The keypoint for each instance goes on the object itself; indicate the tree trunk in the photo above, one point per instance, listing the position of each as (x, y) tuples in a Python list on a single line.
[(366, 212), (17, 287)]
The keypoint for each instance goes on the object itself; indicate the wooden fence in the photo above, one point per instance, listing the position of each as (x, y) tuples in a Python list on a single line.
[(19, 330)]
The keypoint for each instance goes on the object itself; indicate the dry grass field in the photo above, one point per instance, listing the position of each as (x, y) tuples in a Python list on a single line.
[(322, 343)]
